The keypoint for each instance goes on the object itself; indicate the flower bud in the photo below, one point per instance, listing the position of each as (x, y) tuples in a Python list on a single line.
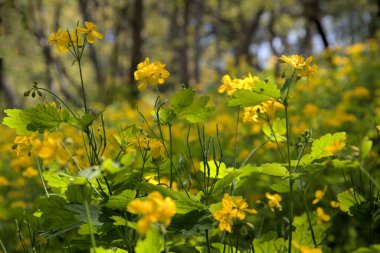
[(27, 93)]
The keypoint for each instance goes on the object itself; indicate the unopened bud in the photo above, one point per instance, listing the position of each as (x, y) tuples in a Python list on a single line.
[(27, 93)]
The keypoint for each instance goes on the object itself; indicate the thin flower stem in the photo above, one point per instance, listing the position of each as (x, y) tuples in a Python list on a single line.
[(82, 85), (171, 154), (208, 242), (291, 180), (252, 153), (275, 138), (42, 177), (2, 245)]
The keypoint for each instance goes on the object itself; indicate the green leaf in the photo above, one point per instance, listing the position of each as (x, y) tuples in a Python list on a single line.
[(198, 112), (119, 221), (282, 186), (81, 215), (152, 243), (365, 147), (349, 198), (45, 117), (374, 248), (82, 122), (212, 166), (84, 229), (167, 116), (121, 201), (55, 215), (56, 180), (269, 243), (191, 223), (260, 93), (318, 148), (279, 129), (183, 98), (275, 169), (224, 182), (14, 120)]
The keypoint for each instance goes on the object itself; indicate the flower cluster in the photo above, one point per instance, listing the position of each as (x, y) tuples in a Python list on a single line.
[(231, 85), (263, 112), (233, 208), (154, 209), (63, 40), (150, 73), (304, 67), (274, 200)]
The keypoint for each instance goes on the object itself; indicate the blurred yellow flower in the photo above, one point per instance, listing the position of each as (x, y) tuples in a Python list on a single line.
[(3, 181), (90, 31), (60, 39), (321, 216), (154, 209), (274, 200), (334, 204), (296, 61), (318, 196), (30, 172), (263, 112), (156, 148), (308, 71), (233, 208), (150, 73), (305, 249)]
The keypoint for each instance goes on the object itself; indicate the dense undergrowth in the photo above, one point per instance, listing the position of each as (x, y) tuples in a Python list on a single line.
[(261, 163)]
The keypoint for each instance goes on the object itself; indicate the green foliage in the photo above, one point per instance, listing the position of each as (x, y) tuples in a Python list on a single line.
[(269, 243), (152, 243), (260, 93), (349, 198), (318, 148)]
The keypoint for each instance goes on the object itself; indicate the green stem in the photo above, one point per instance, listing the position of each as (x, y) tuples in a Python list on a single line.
[(88, 215), (171, 154), (82, 84), (42, 178), (208, 242)]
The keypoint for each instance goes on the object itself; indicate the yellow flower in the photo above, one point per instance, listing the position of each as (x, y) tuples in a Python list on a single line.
[(233, 208), (334, 204), (226, 86), (305, 249), (22, 145), (156, 148), (310, 109), (361, 92), (263, 112), (90, 32), (296, 61), (61, 40), (3, 181), (150, 73), (274, 200), (318, 196), (321, 216), (154, 209), (30, 172), (308, 71)]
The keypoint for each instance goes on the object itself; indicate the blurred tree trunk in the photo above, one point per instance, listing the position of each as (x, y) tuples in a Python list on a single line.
[(85, 8), (121, 20), (12, 99), (137, 26), (198, 14), (183, 54), (312, 12), (247, 33), (179, 22)]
